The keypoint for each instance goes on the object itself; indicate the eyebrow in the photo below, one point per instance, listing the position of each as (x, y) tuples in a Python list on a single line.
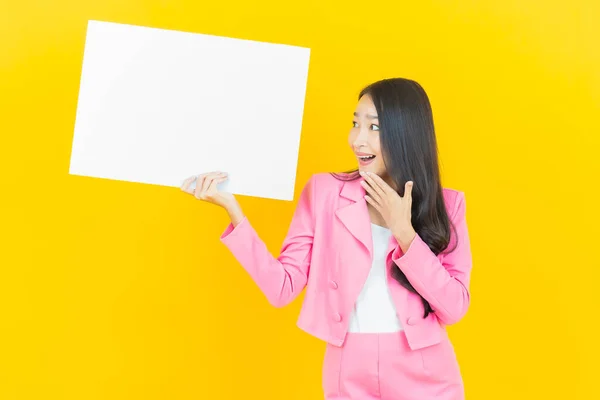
[(368, 116)]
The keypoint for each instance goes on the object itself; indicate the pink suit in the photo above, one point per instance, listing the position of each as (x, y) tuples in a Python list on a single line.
[(328, 250)]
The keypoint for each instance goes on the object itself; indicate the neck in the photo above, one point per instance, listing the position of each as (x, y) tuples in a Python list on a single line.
[(375, 217), (389, 181)]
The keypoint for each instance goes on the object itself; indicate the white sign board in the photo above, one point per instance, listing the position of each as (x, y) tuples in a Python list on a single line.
[(156, 106)]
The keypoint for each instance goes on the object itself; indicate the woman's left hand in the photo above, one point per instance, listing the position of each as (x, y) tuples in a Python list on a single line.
[(395, 209)]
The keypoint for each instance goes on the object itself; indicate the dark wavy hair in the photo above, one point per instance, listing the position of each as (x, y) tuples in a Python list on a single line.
[(409, 150)]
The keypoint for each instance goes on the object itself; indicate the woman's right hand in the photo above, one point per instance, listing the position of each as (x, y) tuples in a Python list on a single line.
[(206, 190)]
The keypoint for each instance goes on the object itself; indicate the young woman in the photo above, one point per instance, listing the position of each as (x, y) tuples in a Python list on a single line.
[(383, 252)]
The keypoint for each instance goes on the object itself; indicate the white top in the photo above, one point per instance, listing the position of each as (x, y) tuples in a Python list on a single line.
[(374, 310)]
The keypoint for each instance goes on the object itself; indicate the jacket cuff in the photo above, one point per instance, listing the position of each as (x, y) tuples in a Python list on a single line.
[(417, 250), (232, 232)]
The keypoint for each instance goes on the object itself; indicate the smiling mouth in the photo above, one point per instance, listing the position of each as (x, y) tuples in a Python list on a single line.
[(366, 158)]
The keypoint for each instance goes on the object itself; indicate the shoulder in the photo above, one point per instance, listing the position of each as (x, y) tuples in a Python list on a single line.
[(324, 183), (455, 201)]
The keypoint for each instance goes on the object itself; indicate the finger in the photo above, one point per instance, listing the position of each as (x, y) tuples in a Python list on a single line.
[(208, 181), (216, 174), (213, 185), (187, 183), (384, 187), (374, 195), (369, 178), (373, 203), (204, 182), (199, 183), (408, 190)]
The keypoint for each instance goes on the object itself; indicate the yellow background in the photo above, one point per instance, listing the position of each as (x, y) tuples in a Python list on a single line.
[(115, 290)]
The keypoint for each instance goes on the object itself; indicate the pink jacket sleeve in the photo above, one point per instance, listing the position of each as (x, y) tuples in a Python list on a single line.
[(281, 279), (445, 284)]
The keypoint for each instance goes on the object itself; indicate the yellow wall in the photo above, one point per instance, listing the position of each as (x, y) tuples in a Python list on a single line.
[(114, 290)]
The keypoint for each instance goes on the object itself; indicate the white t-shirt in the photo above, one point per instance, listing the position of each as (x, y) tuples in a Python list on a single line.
[(374, 310)]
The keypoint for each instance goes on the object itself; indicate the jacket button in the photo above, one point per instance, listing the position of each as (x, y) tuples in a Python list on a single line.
[(412, 321), (337, 317), (333, 284)]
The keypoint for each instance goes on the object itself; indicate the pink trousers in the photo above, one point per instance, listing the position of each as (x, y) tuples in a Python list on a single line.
[(382, 366)]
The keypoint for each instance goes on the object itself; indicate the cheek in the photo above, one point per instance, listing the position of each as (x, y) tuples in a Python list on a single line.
[(351, 138), (377, 150), (376, 146), (380, 162)]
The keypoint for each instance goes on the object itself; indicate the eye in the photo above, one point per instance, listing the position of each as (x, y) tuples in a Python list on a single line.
[(375, 127), (354, 124)]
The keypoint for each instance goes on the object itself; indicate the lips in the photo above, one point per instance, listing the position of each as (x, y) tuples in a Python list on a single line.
[(364, 156), (365, 159)]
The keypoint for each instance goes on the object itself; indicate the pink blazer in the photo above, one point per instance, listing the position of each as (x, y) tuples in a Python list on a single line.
[(328, 250)]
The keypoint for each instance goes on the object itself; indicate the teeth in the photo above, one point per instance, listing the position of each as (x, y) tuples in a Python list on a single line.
[(366, 157)]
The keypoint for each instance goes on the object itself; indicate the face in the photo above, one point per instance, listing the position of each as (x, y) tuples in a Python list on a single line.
[(364, 137)]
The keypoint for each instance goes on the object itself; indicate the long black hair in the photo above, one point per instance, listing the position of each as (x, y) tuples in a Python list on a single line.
[(409, 150)]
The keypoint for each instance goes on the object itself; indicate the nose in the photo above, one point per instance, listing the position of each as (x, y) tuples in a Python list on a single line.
[(361, 139)]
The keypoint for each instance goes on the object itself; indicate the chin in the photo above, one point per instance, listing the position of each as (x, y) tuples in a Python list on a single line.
[(369, 168)]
